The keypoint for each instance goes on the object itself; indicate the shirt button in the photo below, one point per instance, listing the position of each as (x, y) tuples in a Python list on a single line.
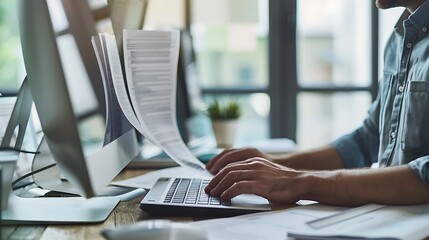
[(424, 29), (393, 134), (401, 88), (409, 45)]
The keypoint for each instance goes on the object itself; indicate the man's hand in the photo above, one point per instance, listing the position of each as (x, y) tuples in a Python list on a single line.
[(280, 184), (256, 176), (233, 155)]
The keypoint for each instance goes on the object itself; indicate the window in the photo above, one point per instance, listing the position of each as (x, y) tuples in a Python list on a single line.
[(231, 46), (334, 55), (388, 19), (297, 66), (307, 66), (12, 70)]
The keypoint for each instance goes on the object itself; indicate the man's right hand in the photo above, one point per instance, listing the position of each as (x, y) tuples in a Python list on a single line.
[(233, 155), (261, 177)]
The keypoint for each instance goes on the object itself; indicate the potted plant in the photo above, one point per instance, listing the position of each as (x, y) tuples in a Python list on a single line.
[(224, 121)]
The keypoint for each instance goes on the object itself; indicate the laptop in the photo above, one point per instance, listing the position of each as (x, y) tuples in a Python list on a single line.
[(186, 197)]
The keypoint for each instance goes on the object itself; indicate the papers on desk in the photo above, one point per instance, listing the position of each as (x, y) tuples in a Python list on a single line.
[(268, 225), (388, 222), (147, 180), (147, 96), (374, 222)]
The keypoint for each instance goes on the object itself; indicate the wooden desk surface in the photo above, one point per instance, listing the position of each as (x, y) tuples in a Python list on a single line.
[(125, 213)]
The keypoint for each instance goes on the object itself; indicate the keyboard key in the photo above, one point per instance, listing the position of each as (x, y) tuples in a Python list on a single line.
[(190, 191), (191, 201), (214, 201)]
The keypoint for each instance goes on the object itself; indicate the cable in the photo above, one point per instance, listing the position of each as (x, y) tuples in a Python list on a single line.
[(18, 150), (22, 185), (31, 173), (28, 174)]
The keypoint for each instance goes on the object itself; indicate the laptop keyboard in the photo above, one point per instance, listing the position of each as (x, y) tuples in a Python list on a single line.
[(191, 191)]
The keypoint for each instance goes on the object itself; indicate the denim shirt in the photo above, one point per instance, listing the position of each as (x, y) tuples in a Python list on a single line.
[(396, 130)]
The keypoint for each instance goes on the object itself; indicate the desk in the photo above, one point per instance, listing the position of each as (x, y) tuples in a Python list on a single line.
[(125, 213)]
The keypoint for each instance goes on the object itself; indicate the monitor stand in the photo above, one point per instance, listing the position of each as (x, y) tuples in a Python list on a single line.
[(60, 210), (63, 210), (46, 210), (19, 210)]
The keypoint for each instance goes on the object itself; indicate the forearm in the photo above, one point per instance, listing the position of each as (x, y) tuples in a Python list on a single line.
[(392, 185), (326, 158)]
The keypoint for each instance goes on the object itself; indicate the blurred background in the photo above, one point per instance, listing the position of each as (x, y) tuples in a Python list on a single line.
[(304, 70)]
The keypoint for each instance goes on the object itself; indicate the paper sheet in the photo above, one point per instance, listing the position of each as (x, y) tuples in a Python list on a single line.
[(149, 101), (344, 216), (268, 225), (151, 59), (149, 179), (389, 222), (119, 82), (117, 123)]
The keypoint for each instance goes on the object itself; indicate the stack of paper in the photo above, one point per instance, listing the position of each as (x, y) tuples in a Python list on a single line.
[(384, 222), (116, 123), (148, 93), (308, 222)]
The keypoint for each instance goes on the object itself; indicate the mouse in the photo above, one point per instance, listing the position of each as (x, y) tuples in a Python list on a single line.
[(155, 230)]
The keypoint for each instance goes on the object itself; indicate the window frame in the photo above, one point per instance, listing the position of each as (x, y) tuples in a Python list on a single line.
[(283, 88), (81, 24), (283, 84)]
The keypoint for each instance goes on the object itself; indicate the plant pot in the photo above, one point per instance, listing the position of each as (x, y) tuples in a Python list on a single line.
[(225, 131)]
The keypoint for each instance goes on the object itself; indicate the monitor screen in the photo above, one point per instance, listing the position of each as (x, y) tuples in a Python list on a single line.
[(88, 173)]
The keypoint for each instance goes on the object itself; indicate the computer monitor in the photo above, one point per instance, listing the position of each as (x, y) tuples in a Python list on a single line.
[(188, 74), (89, 174), (190, 103)]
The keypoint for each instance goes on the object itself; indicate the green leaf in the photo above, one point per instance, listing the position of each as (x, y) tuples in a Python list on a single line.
[(228, 110)]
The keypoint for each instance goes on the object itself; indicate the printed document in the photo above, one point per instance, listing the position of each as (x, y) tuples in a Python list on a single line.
[(147, 96), (151, 59), (375, 222), (116, 124), (388, 222), (273, 225)]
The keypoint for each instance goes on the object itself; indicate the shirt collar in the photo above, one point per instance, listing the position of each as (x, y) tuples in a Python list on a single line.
[(399, 27), (419, 19)]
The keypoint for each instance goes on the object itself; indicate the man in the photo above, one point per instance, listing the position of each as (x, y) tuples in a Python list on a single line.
[(395, 134)]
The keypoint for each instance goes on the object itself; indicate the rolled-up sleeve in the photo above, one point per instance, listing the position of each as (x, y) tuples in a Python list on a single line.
[(421, 166), (360, 148)]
